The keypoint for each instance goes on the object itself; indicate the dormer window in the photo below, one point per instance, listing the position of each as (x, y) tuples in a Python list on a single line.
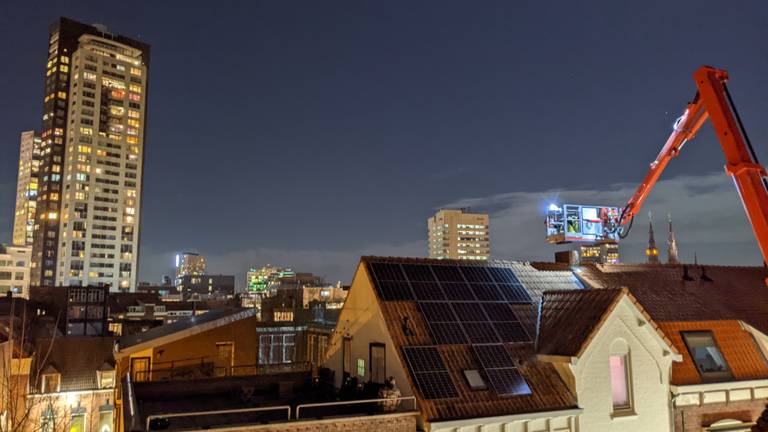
[(106, 379), (707, 356), (51, 382)]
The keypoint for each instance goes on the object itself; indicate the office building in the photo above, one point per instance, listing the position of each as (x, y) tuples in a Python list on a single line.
[(260, 279), (26, 188), (205, 286), (87, 221), (189, 264), (456, 234), (14, 269)]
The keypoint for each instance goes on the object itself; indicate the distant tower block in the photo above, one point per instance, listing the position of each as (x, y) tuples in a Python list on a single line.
[(671, 245), (651, 252)]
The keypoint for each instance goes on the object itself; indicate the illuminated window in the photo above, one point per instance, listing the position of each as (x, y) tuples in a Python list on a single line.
[(133, 114), (106, 378), (64, 68), (132, 140), (136, 71), (61, 95), (51, 382), (86, 131), (135, 88), (361, 368), (134, 97), (620, 391), (133, 122)]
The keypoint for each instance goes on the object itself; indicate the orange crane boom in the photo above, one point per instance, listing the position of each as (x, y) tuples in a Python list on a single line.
[(714, 102)]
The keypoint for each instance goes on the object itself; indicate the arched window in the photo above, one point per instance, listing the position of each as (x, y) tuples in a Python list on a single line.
[(621, 377)]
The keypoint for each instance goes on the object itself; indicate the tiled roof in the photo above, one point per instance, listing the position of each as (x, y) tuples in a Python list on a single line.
[(76, 358), (736, 344), (708, 293), (548, 392), (539, 278), (569, 319)]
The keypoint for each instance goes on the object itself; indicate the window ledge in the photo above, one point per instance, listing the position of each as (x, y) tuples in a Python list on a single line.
[(624, 415)]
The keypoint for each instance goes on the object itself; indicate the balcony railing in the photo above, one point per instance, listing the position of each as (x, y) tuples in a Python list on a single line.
[(205, 367)]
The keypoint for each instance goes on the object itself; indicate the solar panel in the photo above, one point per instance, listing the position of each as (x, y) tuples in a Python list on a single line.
[(447, 333), (515, 293), (427, 291), (469, 312), (418, 272), (475, 274), (502, 372), (503, 275), (511, 332), (387, 271), (429, 372), (480, 332), (486, 292), (493, 356), (457, 291), (436, 385), (437, 312), (499, 312), (394, 290), (507, 382), (447, 273)]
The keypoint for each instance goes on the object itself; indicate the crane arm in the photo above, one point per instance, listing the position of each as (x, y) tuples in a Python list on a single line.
[(713, 101)]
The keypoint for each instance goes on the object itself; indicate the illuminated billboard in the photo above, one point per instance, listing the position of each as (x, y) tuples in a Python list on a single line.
[(581, 223)]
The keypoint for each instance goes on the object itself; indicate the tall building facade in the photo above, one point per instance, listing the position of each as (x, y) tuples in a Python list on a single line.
[(189, 264), (26, 188), (456, 234), (92, 146)]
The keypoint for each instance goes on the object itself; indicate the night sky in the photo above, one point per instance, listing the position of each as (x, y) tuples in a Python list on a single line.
[(307, 133)]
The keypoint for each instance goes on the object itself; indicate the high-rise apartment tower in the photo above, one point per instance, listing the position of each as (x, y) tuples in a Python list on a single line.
[(86, 228), (26, 189), (456, 234)]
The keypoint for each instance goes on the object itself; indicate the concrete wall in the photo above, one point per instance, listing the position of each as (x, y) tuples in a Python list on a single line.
[(649, 366)]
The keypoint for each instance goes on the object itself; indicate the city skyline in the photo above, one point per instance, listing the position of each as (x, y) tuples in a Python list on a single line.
[(308, 120)]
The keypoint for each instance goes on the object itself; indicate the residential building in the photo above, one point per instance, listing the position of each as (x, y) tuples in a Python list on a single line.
[(613, 357), (92, 146), (457, 336), (457, 234), (189, 264), (14, 269), (716, 317), (26, 188), (205, 286)]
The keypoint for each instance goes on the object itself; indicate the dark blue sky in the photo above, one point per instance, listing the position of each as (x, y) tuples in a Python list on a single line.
[(316, 130)]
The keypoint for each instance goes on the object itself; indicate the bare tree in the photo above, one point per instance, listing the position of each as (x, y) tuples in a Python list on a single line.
[(23, 408)]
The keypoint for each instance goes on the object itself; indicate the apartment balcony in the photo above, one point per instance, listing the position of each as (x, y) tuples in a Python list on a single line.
[(290, 401)]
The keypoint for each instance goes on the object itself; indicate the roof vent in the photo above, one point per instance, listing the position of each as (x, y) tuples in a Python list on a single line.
[(474, 379), (704, 276), (686, 276)]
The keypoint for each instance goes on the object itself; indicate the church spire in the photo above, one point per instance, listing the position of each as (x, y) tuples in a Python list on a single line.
[(671, 244), (651, 252)]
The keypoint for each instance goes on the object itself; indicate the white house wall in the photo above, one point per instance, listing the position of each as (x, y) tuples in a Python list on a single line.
[(650, 365)]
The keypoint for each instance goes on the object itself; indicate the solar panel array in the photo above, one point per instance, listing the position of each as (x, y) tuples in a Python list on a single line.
[(429, 372), (461, 304), (501, 370)]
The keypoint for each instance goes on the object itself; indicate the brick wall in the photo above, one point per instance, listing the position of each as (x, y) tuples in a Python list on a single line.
[(695, 418)]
